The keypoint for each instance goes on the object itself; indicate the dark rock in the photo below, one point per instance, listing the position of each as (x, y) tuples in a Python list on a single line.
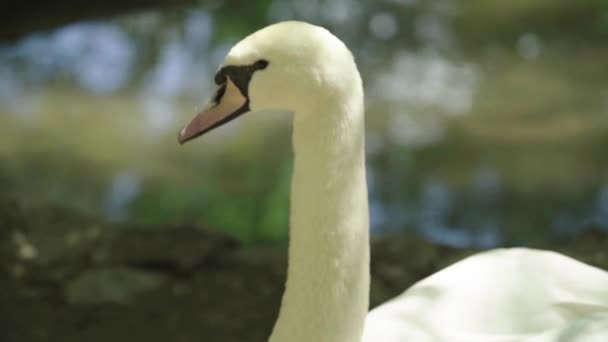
[(170, 248), (82, 280), (118, 285)]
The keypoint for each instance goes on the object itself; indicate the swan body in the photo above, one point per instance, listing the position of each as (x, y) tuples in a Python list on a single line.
[(501, 295)]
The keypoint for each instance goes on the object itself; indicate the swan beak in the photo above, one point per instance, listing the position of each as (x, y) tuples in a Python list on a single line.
[(228, 104)]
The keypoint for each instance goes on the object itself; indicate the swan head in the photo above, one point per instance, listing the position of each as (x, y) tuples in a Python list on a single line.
[(289, 66)]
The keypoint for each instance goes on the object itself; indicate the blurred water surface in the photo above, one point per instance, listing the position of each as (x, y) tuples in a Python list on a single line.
[(487, 121)]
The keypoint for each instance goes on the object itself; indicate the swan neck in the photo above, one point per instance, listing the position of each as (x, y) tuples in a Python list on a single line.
[(326, 295)]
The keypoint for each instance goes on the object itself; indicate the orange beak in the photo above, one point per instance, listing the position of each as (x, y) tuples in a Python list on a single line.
[(228, 104)]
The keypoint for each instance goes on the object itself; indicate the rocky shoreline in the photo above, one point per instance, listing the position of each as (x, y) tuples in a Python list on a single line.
[(68, 277)]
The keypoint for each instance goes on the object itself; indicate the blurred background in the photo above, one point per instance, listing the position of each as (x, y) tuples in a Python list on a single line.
[(487, 125), (487, 122)]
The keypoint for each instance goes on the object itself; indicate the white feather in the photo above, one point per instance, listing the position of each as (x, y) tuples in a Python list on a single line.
[(503, 295)]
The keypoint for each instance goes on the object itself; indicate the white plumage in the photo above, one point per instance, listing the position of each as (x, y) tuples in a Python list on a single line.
[(504, 295)]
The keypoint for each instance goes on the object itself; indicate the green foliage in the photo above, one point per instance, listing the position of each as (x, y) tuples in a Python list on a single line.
[(237, 19), (482, 23), (603, 22)]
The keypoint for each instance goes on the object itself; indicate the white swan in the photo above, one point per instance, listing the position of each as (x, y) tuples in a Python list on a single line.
[(501, 295)]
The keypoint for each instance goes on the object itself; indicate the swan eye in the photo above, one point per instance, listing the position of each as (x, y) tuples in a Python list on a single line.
[(261, 64), (220, 76), (239, 74)]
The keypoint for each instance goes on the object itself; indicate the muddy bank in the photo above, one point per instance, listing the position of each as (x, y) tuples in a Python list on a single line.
[(69, 277)]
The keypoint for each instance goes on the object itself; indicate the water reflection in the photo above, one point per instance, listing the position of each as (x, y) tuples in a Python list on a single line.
[(98, 55), (383, 25), (426, 79)]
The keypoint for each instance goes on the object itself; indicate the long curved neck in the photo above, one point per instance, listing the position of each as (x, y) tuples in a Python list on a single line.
[(326, 296)]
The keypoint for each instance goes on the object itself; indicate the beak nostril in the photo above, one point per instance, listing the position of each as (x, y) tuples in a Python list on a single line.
[(230, 104), (229, 101), (221, 90)]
